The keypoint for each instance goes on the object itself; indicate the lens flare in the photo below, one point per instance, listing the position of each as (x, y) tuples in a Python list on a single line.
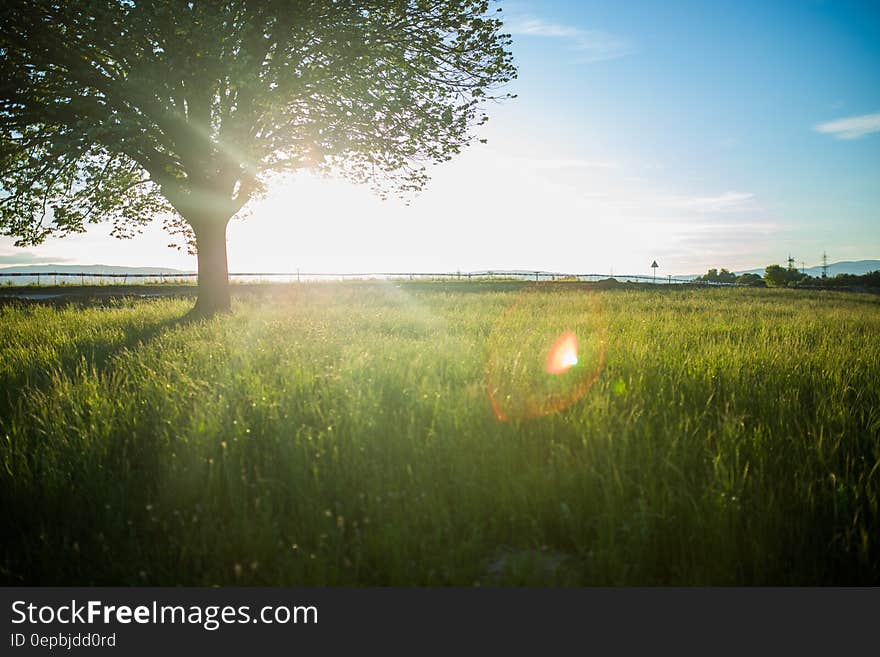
[(546, 350), (563, 355)]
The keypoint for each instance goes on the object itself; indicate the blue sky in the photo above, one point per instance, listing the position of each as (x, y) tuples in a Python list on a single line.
[(725, 96), (699, 134)]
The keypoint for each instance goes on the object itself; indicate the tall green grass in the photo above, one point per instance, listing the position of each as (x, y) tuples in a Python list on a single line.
[(343, 434)]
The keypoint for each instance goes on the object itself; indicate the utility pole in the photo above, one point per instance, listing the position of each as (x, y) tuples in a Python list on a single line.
[(803, 267), (824, 265), (790, 262)]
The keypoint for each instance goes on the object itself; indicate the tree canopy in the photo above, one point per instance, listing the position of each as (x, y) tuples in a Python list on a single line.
[(714, 276), (121, 110)]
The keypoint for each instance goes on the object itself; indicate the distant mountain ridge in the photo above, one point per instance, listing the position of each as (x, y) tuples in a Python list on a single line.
[(88, 269), (856, 267)]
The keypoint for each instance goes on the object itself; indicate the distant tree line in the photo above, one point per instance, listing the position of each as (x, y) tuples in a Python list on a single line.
[(778, 276), (725, 276)]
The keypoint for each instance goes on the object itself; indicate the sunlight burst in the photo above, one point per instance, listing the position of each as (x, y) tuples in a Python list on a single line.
[(563, 354)]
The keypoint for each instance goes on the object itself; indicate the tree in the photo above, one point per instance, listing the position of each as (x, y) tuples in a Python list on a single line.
[(749, 279), (116, 110), (775, 275), (779, 276), (871, 279), (714, 276)]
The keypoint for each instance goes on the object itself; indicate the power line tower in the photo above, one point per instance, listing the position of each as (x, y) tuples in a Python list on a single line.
[(790, 262), (824, 265)]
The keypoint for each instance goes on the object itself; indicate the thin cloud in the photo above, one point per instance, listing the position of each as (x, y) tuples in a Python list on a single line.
[(677, 204), (593, 45), (852, 127), (698, 231), (726, 202), (28, 258), (552, 164)]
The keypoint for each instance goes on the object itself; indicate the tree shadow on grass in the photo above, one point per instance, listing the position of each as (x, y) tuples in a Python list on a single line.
[(85, 350), (51, 507)]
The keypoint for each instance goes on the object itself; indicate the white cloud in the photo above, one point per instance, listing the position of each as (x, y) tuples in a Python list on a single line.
[(851, 127), (555, 164), (660, 205), (726, 202), (537, 27), (27, 258), (593, 45)]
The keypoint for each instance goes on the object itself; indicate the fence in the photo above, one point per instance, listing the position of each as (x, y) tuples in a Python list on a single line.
[(83, 278)]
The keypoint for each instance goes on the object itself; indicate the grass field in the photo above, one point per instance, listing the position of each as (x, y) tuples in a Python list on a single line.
[(349, 434)]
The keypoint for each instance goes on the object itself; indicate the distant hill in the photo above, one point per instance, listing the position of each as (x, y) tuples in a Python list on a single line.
[(27, 274), (91, 269), (857, 267)]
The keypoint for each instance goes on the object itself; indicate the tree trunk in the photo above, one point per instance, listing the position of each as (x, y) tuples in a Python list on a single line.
[(213, 270)]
